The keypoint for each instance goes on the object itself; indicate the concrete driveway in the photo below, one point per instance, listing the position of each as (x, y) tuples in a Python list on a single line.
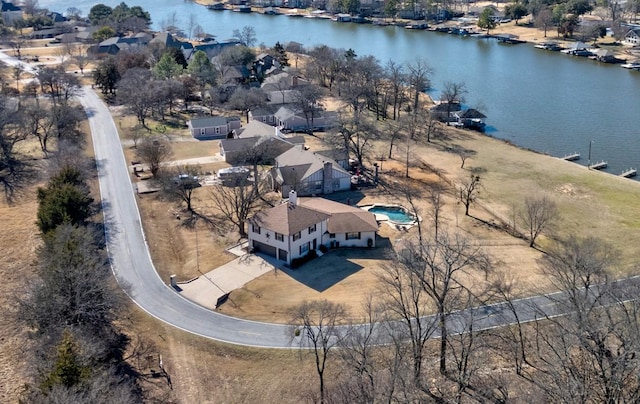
[(209, 287)]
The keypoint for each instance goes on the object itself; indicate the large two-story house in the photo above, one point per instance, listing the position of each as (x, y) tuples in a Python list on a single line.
[(292, 229)]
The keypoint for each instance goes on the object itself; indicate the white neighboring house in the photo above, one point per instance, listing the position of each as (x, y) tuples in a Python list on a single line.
[(308, 173), (632, 37), (292, 229)]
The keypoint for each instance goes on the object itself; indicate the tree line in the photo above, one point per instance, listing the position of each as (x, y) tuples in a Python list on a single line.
[(77, 352), (419, 338)]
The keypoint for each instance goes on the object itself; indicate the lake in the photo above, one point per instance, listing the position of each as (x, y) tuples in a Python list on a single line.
[(544, 101)]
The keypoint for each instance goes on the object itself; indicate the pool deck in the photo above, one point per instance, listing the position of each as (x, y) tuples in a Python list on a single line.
[(381, 217)]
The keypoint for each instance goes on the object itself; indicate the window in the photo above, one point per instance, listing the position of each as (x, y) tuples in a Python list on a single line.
[(296, 236), (304, 248), (312, 228), (318, 185), (255, 229), (217, 130), (203, 131), (332, 235), (279, 237), (353, 236), (336, 184)]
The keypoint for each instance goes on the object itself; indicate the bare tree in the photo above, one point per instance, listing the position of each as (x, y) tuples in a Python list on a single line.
[(463, 153), (170, 22), (15, 170), (80, 57), (453, 93), (438, 264), (37, 123), (58, 84), (437, 203), (236, 201), (418, 79), (468, 189), (192, 21), (134, 91), (247, 99), (180, 182), (358, 353), (406, 303), (316, 323), (30, 6), (590, 353), (246, 35), (308, 99), (538, 216), (397, 78), (356, 138), (154, 151)]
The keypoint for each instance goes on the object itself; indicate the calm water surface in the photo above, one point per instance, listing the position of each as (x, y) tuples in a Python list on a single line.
[(545, 101)]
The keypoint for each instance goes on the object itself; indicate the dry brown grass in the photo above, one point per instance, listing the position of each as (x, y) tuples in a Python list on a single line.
[(205, 371), (19, 239)]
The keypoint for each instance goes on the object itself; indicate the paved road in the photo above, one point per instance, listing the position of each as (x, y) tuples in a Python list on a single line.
[(134, 270), (129, 253)]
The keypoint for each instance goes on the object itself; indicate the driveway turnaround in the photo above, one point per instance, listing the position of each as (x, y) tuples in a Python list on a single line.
[(207, 289)]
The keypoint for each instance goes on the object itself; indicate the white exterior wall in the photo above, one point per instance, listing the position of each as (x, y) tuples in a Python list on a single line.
[(305, 237), (271, 240), (308, 185), (341, 238), (632, 38), (292, 247), (345, 184)]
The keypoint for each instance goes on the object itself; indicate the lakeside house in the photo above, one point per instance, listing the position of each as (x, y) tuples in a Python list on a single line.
[(292, 229), (308, 173), (632, 37)]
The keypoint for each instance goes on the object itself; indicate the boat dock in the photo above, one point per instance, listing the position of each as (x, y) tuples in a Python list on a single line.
[(598, 166), (632, 172), (572, 157)]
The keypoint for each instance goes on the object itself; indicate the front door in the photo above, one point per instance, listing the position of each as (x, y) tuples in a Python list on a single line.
[(314, 243)]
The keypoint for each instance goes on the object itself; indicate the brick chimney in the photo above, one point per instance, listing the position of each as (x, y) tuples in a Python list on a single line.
[(327, 186)]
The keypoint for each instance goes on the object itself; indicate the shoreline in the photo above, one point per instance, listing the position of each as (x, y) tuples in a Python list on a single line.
[(523, 34)]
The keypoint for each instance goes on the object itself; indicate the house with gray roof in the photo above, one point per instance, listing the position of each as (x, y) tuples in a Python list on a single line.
[(289, 118), (292, 229), (257, 139), (10, 12), (213, 127), (308, 173), (265, 114), (113, 45)]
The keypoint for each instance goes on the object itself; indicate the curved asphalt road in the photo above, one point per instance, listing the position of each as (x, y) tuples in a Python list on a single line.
[(134, 270), (129, 253)]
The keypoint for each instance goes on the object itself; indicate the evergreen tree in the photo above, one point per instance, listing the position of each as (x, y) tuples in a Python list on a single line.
[(281, 54), (67, 370), (66, 199)]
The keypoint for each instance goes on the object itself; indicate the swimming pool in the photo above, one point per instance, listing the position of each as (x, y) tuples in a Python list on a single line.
[(393, 213)]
